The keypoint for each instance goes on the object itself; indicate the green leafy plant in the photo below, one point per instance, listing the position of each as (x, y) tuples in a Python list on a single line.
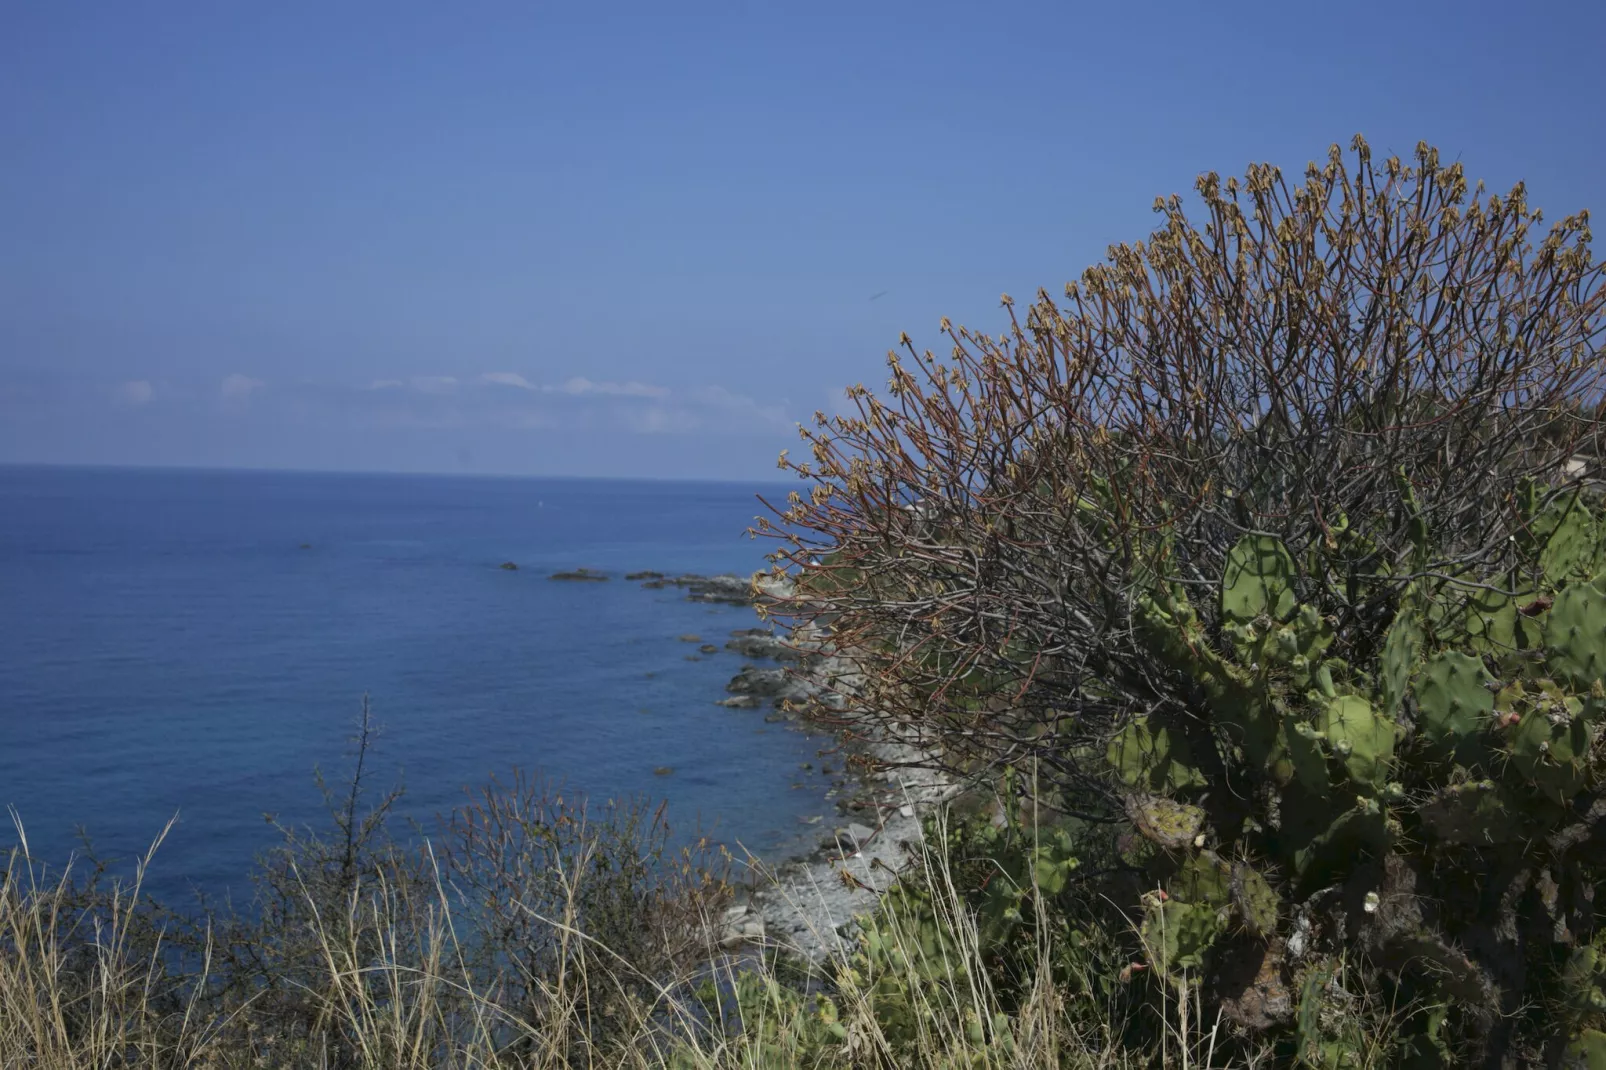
[(1435, 813)]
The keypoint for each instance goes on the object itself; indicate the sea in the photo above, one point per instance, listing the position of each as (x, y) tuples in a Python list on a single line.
[(193, 645)]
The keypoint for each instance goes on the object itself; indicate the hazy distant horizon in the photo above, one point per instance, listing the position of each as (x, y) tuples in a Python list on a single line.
[(778, 481)]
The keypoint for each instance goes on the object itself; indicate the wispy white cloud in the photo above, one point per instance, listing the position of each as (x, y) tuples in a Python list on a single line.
[(240, 386), (717, 397), (580, 386), (507, 379), (434, 384), (510, 399), (135, 393), (662, 420)]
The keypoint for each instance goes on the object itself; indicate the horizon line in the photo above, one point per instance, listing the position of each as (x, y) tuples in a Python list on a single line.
[(108, 466)]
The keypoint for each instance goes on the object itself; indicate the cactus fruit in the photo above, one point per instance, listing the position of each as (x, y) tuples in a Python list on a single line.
[(1576, 634), (1361, 738), (1455, 703), (1475, 812), (1152, 758), (1256, 902), (1258, 580)]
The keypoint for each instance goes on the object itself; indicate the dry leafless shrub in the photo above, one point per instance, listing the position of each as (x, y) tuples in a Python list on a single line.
[(971, 536)]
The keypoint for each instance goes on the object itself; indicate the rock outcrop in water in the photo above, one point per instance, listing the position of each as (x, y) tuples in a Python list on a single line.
[(760, 643), (582, 574), (727, 589)]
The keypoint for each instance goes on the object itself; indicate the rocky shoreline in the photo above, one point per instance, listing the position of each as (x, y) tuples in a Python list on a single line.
[(807, 903)]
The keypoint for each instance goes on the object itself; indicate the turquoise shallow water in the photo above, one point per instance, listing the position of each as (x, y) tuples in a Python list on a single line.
[(167, 646)]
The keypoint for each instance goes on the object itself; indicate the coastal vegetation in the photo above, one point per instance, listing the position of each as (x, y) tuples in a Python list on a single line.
[(1271, 558), (1255, 592)]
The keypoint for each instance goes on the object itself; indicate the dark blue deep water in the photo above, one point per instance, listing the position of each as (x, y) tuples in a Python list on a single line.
[(167, 646)]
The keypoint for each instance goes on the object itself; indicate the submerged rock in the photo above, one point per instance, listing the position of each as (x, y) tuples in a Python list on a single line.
[(647, 575), (708, 648), (578, 574), (509, 566)]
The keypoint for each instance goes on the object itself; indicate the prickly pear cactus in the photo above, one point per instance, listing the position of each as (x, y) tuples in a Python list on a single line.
[(1329, 1035), (1476, 812), (1454, 702), (1401, 647), (1411, 771), (1550, 748), (1362, 739), (1256, 902), (1586, 1051), (1259, 580), (1152, 758), (1569, 534), (1165, 822), (1177, 934), (1576, 634)]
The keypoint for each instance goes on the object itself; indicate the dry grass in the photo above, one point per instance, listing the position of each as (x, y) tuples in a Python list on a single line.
[(395, 976)]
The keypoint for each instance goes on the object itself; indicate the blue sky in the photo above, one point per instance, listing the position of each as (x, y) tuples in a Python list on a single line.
[(624, 240)]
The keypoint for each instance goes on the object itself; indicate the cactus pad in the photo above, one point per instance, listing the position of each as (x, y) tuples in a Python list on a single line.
[(1569, 540), (1177, 934), (1550, 749), (1576, 634), (1256, 902), (1456, 705), (1203, 878), (1299, 758), (1473, 813), (1581, 981), (1334, 849), (1258, 580), (1152, 758), (1162, 821), (1361, 737), (1398, 661), (1586, 1051), (1492, 623)]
